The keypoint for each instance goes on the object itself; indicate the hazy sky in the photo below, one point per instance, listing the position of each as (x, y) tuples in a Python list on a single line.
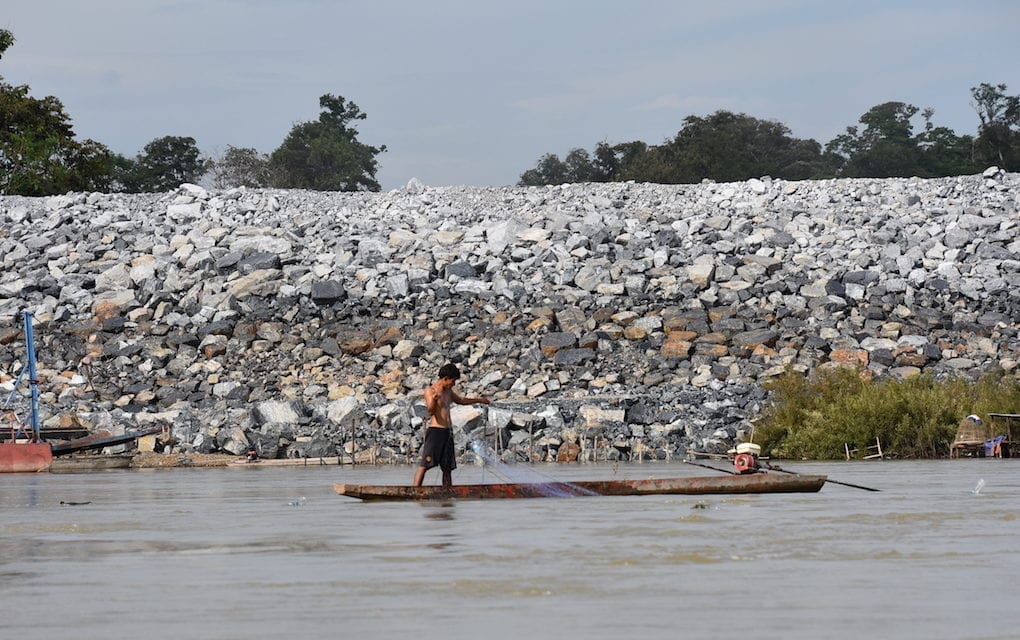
[(475, 92)]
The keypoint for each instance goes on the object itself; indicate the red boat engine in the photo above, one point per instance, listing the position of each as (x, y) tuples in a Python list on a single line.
[(746, 460)]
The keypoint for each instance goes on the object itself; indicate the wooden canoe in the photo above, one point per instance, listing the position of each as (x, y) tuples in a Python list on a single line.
[(73, 464), (750, 483)]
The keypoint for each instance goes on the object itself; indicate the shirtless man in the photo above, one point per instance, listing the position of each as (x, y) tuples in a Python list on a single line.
[(438, 447)]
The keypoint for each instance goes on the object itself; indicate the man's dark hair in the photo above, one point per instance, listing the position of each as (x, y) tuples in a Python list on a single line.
[(449, 371)]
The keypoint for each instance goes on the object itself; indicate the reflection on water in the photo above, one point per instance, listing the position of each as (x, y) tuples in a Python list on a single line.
[(438, 510), (219, 553)]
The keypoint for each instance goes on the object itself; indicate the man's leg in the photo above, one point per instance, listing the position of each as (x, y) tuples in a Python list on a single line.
[(419, 476), (447, 478)]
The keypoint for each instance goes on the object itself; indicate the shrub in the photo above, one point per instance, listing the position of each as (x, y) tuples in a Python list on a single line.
[(813, 417)]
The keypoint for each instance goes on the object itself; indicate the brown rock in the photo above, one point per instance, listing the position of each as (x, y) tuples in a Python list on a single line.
[(711, 338), (538, 323), (711, 350), (355, 342), (675, 348), (682, 334), (389, 335), (568, 452), (635, 332), (213, 349), (851, 357), (911, 359)]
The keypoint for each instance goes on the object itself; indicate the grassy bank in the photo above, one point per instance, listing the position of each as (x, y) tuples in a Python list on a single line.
[(812, 418)]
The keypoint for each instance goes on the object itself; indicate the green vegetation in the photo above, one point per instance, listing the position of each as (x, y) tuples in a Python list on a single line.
[(325, 154), (812, 418), (164, 164), (729, 147), (40, 156), (38, 151)]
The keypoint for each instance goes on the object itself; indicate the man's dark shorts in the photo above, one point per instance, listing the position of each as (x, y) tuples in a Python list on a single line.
[(438, 449)]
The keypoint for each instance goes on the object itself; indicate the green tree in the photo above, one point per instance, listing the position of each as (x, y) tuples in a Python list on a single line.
[(163, 165), (998, 139), (6, 41), (885, 147), (643, 163), (549, 170), (608, 164), (38, 151), (241, 167), (579, 166), (166, 163), (942, 152), (726, 146), (326, 154), (723, 146)]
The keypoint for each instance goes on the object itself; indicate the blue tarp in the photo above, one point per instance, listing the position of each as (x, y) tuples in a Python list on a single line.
[(992, 446)]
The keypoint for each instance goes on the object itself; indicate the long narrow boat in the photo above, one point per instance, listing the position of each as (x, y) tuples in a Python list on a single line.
[(749, 483), (74, 464)]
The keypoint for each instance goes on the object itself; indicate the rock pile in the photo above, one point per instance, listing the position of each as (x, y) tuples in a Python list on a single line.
[(617, 320)]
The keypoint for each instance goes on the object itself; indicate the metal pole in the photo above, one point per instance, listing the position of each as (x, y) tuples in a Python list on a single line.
[(17, 383), (32, 380)]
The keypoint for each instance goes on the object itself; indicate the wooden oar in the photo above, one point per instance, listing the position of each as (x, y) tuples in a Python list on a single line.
[(708, 466), (845, 484)]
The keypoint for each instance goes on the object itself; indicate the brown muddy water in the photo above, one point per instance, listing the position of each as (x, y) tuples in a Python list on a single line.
[(274, 553)]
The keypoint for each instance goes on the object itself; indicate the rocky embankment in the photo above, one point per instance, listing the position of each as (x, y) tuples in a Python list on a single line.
[(618, 319)]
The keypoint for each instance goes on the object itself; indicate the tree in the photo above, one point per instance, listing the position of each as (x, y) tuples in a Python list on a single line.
[(167, 162), (6, 41), (549, 170), (942, 152), (726, 146), (608, 164), (126, 176), (723, 146), (647, 164), (326, 154), (163, 165), (998, 140), (579, 166), (241, 167), (38, 152), (612, 161), (731, 147), (885, 147)]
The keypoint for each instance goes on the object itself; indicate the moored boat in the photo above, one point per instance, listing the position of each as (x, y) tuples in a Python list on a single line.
[(732, 484), (74, 464)]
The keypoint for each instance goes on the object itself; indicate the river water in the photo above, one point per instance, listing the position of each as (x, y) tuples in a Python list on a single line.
[(274, 552)]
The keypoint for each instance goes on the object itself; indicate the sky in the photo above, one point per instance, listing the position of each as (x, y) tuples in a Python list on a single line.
[(475, 92)]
